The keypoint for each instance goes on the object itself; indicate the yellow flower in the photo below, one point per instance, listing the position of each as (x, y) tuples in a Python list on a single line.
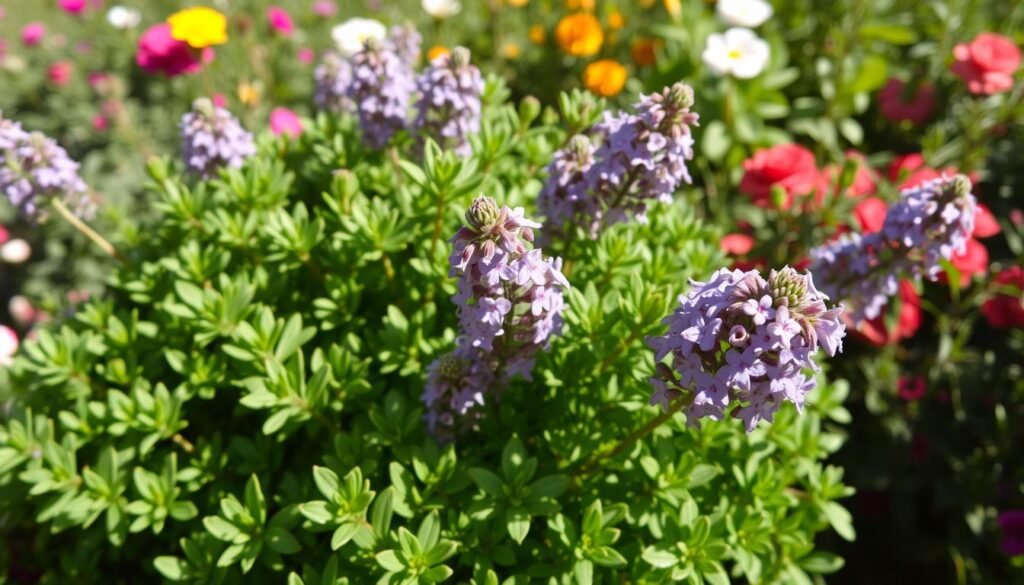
[(616, 20), (673, 7), (200, 27), (517, 3), (605, 77), (511, 51), (248, 94), (436, 51), (537, 34), (579, 34), (580, 5)]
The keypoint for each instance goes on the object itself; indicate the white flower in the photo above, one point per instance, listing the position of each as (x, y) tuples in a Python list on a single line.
[(441, 8), (123, 18), (8, 345), (351, 35), (737, 52), (15, 251), (748, 13)]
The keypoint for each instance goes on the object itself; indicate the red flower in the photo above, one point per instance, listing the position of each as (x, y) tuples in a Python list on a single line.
[(870, 214), (59, 73), (898, 105), (159, 52), (907, 323), (1006, 309), (736, 244), (911, 388), (790, 166), (973, 260), (985, 224), (987, 63)]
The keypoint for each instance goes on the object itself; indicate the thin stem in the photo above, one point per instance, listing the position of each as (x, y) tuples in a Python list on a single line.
[(87, 231), (635, 436)]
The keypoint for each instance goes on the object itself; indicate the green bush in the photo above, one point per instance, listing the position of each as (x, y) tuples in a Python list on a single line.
[(244, 404)]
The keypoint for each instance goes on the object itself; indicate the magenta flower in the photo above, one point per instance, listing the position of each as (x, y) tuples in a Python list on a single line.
[(75, 7), (280, 21), (1012, 523), (32, 34), (159, 52), (306, 55), (285, 121), (898, 105)]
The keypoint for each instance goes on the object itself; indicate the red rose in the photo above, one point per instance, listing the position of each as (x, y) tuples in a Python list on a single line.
[(987, 63), (898, 105), (1006, 309), (973, 260), (907, 323), (870, 214), (790, 166), (985, 224)]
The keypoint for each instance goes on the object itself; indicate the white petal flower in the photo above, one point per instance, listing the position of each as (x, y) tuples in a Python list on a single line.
[(123, 18), (15, 251), (737, 52), (8, 345), (748, 13), (441, 8), (351, 35)]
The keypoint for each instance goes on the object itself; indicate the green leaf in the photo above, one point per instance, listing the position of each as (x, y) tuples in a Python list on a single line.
[(551, 486), (172, 568), (822, 563), (430, 531), (889, 33), (518, 524), (390, 561), (343, 534), (487, 481), (659, 558), (584, 572), (281, 541), (606, 556), (327, 482), (220, 528), (317, 511), (840, 520), (871, 75)]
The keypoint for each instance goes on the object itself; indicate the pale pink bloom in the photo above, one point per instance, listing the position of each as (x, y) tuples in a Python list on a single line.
[(285, 121)]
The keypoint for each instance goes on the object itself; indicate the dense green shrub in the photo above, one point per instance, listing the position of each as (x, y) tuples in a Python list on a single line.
[(244, 404)]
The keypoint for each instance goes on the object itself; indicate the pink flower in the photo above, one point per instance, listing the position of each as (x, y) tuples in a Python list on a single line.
[(59, 73), (8, 345), (100, 123), (325, 8), (987, 63), (32, 34), (985, 224), (306, 55), (736, 244), (898, 105), (911, 388), (280, 21), (159, 52), (1012, 524), (219, 100), (285, 121), (790, 166), (75, 7)]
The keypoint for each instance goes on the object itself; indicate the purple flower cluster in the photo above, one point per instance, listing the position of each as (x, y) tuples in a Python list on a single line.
[(1012, 524), (34, 170), (448, 109), (741, 338), (213, 139), (332, 77), (928, 224), (510, 303), (640, 157)]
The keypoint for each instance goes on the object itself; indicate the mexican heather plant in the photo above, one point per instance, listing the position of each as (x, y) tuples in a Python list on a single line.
[(740, 340), (381, 89), (640, 157), (927, 225), (448, 107), (213, 139), (35, 172), (510, 303)]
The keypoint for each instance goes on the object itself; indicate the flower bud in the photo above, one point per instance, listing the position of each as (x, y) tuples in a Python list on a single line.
[(529, 110), (482, 214)]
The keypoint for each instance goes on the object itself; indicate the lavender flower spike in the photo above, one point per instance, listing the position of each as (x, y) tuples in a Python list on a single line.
[(510, 303), (213, 139), (928, 224), (740, 343), (381, 88), (641, 157), (448, 109), (332, 78), (34, 170)]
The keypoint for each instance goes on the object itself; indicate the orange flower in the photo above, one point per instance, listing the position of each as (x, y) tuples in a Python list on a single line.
[(436, 51), (606, 77), (673, 7), (616, 20), (511, 51), (643, 51), (537, 34), (579, 34), (580, 5)]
